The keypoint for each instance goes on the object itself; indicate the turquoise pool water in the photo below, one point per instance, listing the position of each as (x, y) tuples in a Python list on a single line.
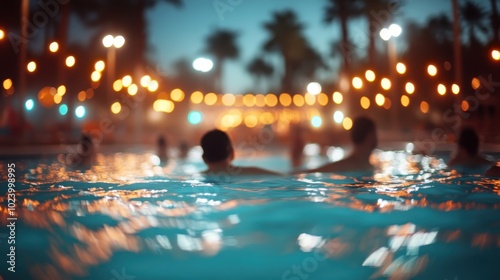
[(128, 218)]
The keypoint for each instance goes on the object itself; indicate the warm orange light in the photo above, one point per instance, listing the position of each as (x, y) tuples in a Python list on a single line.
[(424, 107), (2, 34), (285, 99), (410, 88), (31, 66), (61, 90), (70, 61), (347, 123), (82, 95), (495, 54), (337, 97), (476, 83), (165, 106), (401, 68), (228, 99), (365, 102), (95, 76), (251, 121), (99, 66), (54, 47), (249, 100), (386, 84), (387, 103), (127, 81), (266, 118), (465, 105), (260, 100), (46, 96), (298, 100), (197, 97), (7, 84), (271, 100), (441, 89), (117, 85), (405, 100), (116, 108), (432, 70), (132, 89), (370, 75), (323, 99), (310, 99), (89, 93), (380, 99), (57, 99), (357, 83), (153, 86), (455, 89), (177, 95), (211, 99)]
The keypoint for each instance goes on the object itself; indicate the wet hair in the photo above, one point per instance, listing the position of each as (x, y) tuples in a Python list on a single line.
[(469, 140), (161, 141), (86, 144), (361, 128), (216, 146)]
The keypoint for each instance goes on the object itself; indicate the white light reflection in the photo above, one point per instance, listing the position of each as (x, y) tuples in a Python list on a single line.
[(155, 160), (409, 147), (335, 153), (308, 242), (188, 243), (377, 258), (312, 149)]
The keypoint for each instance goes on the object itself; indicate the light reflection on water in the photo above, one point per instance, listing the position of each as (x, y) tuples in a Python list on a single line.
[(127, 211)]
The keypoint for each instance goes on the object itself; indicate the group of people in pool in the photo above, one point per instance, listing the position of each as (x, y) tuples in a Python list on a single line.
[(218, 153)]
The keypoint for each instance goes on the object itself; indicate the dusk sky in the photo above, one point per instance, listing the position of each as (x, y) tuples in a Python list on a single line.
[(180, 33)]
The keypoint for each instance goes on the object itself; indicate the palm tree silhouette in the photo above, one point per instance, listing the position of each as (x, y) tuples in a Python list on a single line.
[(222, 45), (474, 16), (286, 39), (495, 20), (370, 10), (343, 10), (260, 69)]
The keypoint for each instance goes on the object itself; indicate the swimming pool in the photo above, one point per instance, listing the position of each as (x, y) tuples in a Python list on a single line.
[(129, 218)]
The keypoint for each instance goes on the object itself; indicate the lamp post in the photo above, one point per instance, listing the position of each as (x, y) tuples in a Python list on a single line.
[(392, 32), (112, 43)]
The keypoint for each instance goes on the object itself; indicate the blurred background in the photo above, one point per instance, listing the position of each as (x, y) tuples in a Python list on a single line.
[(126, 71)]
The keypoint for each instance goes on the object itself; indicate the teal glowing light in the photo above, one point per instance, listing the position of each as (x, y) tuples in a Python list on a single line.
[(80, 112), (30, 104), (63, 109), (195, 117), (316, 121)]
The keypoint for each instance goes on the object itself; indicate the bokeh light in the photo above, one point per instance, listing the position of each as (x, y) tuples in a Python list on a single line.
[(401, 68), (432, 70), (410, 88), (323, 99), (116, 108), (7, 84), (365, 102), (370, 75), (338, 117), (386, 84), (285, 99), (70, 61), (46, 96), (228, 99), (424, 107), (95, 76), (31, 66), (196, 97), (127, 81), (387, 103), (195, 117), (249, 100), (310, 99), (80, 112), (2, 34), (380, 99), (211, 99), (203, 64), (250, 121), (495, 54), (271, 100), (298, 100), (145, 80), (177, 95), (99, 66), (63, 109), (61, 90), (54, 47), (82, 95), (405, 100), (455, 89), (132, 89), (475, 83), (117, 85), (357, 83), (441, 89), (347, 123), (465, 105), (29, 104), (337, 97), (153, 86), (316, 121), (314, 88), (165, 106)]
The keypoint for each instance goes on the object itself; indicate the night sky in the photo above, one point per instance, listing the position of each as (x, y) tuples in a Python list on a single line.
[(180, 33)]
